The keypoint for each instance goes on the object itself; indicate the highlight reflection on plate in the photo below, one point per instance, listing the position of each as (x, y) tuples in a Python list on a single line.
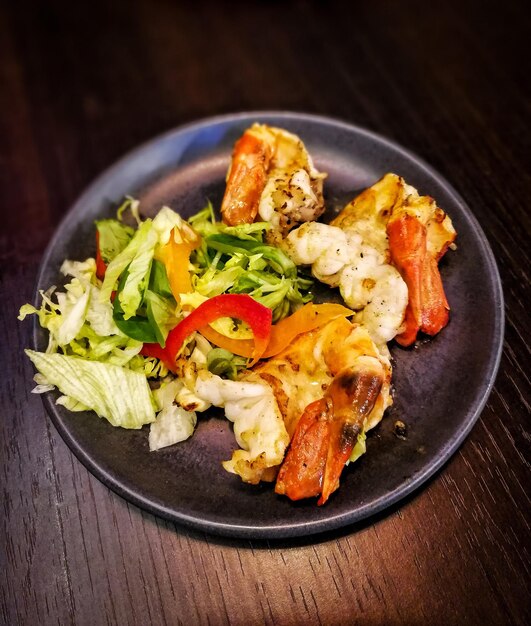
[(440, 387)]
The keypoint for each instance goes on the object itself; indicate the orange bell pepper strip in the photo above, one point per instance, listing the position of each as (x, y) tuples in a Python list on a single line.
[(176, 258), (240, 306), (307, 318)]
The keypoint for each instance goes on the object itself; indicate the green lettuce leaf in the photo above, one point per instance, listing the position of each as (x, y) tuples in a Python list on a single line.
[(137, 327), (161, 315), (138, 255), (155, 319), (120, 395), (132, 293), (278, 259), (137, 258), (205, 224), (158, 280), (113, 238), (214, 282)]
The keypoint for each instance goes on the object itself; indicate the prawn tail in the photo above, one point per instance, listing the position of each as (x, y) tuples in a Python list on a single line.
[(435, 308), (246, 179), (427, 309), (353, 393), (327, 433), (301, 473), (407, 245)]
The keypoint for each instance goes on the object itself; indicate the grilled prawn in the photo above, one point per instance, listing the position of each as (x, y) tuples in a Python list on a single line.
[(272, 176), (331, 385), (382, 252), (322, 393), (414, 233)]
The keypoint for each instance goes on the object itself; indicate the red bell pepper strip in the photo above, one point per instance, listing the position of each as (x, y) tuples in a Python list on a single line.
[(240, 306), (100, 263), (155, 350)]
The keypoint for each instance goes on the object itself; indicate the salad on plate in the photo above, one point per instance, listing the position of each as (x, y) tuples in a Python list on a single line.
[(172, 316)]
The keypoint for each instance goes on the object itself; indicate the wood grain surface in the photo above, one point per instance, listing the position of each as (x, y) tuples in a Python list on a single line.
[(80, 84)]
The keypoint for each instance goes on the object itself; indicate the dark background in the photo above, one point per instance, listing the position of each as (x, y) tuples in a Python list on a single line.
[(82, 83)]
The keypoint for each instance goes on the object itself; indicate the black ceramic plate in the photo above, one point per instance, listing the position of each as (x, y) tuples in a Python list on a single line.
[(441, 386)]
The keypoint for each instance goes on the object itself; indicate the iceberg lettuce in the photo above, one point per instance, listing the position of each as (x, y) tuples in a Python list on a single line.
[(118, 394)]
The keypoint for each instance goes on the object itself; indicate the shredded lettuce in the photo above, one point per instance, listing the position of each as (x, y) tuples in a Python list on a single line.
[(132, 292), (234, 259), (132, 205), (118, 394), (96, 335), (205, 224), (71, 404), (138, 253), (224, 363), (142, 313), (113, 238), (93, 354), (165, 221)]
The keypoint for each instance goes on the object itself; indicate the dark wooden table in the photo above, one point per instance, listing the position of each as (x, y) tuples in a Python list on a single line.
[(80, 84)]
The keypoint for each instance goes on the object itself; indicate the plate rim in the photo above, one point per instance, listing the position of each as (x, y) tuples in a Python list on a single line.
[(330, 522)]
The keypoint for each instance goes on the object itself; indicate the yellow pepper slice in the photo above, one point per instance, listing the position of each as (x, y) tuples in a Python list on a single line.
[(176, 258)]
